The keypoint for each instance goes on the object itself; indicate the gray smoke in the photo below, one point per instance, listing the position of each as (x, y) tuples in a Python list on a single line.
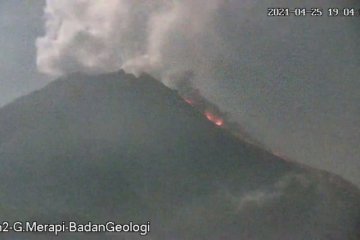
[(213, 39), (159, 37)]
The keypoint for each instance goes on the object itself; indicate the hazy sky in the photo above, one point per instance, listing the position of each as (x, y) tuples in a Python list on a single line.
[(295, 85), (20, 24)]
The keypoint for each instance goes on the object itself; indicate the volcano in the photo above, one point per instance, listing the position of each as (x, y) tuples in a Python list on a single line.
[(121, 148)]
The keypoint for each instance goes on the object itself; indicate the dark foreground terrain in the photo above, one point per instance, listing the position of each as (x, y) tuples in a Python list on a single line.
[(115, 147)]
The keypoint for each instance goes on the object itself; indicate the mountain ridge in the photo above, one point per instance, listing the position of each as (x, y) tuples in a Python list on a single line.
[(117, 146)]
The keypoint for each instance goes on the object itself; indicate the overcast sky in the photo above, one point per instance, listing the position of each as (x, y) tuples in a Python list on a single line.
[(296, 87), (20, 24)]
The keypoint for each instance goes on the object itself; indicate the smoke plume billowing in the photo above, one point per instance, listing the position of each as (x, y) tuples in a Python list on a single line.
[(159, 37)]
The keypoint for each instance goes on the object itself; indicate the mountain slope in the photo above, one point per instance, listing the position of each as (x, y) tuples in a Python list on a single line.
[(116, 147)]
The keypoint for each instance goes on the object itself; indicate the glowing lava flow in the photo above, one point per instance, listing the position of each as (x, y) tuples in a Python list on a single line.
[(188, 101), (215, 119), (209, 115)]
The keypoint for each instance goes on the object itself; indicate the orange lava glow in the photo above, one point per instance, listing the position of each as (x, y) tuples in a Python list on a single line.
[(215, 119), (188, 101)]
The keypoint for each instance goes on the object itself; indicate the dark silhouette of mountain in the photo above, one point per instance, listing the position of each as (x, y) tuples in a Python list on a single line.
[(116, 147)]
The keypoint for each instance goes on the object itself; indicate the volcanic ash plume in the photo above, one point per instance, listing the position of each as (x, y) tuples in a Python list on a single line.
[(159, 37)]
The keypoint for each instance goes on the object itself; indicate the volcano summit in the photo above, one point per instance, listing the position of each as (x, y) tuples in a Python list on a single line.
[(119, 148)]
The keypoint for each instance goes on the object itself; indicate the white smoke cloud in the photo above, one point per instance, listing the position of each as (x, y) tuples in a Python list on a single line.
[(160, 37), (265, 197)]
